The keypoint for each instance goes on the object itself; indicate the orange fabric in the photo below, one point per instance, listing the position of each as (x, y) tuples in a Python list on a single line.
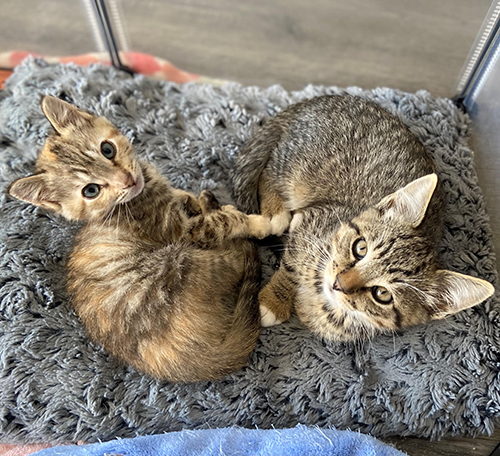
[(4, 74), (139, 62), (22, 450)]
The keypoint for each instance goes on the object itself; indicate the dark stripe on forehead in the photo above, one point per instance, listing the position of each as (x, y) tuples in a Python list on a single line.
[(76, 158), (389, 246), (407, 237), (405, 272), (354, 227), (77, 169)]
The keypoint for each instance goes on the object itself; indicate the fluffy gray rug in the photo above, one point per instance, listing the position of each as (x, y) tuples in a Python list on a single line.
[(56, 386)]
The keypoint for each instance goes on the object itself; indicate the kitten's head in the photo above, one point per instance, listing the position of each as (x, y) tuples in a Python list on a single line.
[(86, 166), (384, 267)]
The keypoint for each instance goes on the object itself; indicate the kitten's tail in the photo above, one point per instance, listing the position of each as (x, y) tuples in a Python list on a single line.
[(250, 163)]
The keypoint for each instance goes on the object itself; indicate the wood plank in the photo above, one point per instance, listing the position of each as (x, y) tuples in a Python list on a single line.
[(452, 446)]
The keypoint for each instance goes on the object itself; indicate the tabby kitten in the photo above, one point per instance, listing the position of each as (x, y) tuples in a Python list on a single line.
[(366, 213), (163, 280)]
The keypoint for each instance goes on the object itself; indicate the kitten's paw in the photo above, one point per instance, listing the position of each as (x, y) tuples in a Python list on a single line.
[(296, 221), (230, 208), (208, 201), (267, 318), (190, 206), (259, 226), (280, 223)]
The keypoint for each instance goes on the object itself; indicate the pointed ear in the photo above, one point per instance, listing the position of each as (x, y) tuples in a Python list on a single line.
[(34, 190), (459, 292), (410, 203), (63, 115)]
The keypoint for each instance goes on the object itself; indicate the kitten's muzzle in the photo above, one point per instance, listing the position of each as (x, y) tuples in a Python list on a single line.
[(134, 186)]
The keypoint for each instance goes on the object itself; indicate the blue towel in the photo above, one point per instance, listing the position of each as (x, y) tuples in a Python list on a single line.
[(299, 441)]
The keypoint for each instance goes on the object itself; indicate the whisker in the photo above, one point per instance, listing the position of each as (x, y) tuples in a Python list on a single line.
[(117, 222), (317, 242)]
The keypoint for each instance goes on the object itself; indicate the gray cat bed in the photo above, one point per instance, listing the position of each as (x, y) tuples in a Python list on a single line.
[(56, 386)]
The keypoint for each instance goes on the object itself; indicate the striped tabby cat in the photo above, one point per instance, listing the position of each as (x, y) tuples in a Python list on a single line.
[(163, 280), (366, 213)]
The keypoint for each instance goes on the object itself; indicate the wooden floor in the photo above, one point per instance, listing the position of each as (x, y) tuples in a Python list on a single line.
[(404, 44)]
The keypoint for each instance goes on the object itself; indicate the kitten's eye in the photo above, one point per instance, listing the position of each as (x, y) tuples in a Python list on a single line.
[(360, 248), (91, 191), (381, 295), (108, 150)]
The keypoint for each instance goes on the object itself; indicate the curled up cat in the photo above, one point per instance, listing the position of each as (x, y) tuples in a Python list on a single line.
[(364, 208), (165, 281)]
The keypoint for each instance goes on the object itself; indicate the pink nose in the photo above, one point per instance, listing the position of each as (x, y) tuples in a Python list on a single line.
[(129, 181)]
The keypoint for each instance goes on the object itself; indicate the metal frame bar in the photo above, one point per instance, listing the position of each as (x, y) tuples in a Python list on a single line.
[(479, 60), (101, 14)]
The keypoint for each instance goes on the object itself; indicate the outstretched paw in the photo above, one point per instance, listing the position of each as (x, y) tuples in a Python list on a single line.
[(208, 202), (190, 205), (259, 226), (280, 222)]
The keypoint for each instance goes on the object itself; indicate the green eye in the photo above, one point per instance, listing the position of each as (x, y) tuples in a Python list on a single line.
[(91, 191), (381, 295), (108, 150), (360, 248)]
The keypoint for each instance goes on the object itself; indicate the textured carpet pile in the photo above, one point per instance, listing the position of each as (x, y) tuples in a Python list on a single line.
[(55, 386)]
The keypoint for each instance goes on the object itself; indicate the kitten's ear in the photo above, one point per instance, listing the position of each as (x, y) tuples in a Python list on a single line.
[(34, 190), (410, 202), (63, 115), (458, 292)]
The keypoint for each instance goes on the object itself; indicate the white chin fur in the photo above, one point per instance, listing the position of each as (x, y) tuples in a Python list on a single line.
[(331, 296)]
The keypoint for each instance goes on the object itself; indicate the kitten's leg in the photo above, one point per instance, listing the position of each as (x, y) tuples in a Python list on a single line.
[(208, 202), (188, 203), (244, 225), (217, 225), (272, 205), (277, 297)]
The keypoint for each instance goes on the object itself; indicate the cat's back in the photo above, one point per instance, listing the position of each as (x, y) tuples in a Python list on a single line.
[(172, 310), (345, 149)]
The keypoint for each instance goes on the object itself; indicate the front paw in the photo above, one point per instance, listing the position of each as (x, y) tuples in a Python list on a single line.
[(280, 223), (267, 317), (208, 202), (190, 206), (259, 226)]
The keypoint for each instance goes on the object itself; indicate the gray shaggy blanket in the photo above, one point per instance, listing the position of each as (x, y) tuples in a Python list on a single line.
[(56, 386)]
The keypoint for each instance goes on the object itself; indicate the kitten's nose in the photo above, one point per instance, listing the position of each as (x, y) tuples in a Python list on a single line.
[(348, 282), (129, 181), (337, 285)]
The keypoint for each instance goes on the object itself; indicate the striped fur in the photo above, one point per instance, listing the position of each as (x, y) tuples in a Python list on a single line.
[(165, 281), (337, 170)]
